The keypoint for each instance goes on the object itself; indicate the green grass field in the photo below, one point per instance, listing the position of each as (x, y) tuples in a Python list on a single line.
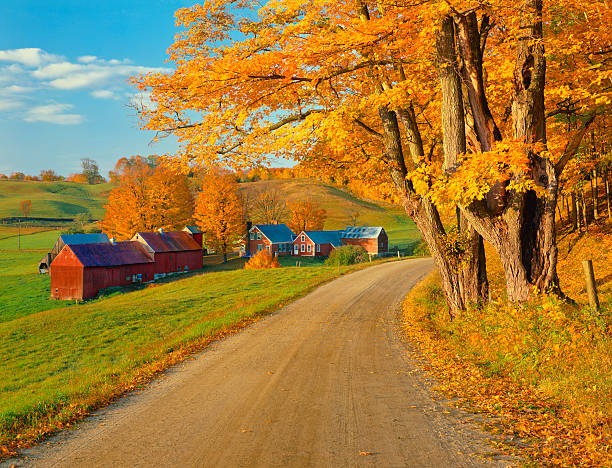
[(53, 199)]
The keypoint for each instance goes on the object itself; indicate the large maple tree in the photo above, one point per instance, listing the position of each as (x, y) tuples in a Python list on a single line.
[(453, 101)]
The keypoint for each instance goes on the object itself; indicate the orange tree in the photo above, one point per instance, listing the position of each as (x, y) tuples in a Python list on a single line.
[(147, 199), (219, 211), (444, 98), (305, 216)]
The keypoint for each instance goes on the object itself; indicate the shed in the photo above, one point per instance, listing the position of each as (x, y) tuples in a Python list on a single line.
[(69, 239), (80, 271), (372, 238), (172, 251)]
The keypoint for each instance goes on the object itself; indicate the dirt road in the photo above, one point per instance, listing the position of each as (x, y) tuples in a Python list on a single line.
[(326, 381)]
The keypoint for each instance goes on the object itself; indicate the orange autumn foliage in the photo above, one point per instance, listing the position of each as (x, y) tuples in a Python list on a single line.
[(305, 216), (261, 260), (147, 199), (220, 212)]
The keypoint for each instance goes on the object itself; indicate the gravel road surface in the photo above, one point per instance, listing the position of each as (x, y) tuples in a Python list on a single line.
[(323, 382)]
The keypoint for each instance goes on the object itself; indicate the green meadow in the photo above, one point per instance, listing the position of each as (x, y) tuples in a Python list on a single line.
[(53, 199)]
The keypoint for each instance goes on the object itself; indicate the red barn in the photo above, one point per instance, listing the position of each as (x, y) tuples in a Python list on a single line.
[(79, 271), (316, 243), (172, 251), (275, 238), (373, 239)]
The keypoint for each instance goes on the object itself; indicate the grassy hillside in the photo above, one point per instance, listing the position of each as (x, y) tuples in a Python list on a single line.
[(340, 204), (53, 199)]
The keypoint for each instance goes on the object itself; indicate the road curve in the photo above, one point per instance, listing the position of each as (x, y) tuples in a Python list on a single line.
[(325, 381)]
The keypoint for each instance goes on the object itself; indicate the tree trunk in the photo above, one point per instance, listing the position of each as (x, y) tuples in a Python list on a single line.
[(594, 194), (473, 276), (584, 212), (607, 184), (576, 211)]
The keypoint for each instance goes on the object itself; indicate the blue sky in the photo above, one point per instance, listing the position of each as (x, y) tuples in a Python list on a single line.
[(63, 70)]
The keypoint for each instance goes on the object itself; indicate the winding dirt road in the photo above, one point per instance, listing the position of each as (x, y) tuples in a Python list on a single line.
[(325, 381)]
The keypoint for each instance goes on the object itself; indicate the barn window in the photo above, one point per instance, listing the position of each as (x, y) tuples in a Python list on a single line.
[(251, 235), (127, 278), (259, 236), (318, 247), (259, 247), (303, 248), (178, 268), (303, 238), (186, 268), (308, 247)]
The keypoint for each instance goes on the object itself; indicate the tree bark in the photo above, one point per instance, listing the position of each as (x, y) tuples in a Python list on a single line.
[(594, 194), (576, 210), (473, 276), (607, 184)]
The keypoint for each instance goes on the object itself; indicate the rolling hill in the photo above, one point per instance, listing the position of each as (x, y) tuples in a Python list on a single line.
[(53, 199)]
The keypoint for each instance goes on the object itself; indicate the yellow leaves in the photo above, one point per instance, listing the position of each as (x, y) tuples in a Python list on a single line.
[(476, 174), (262, 260)]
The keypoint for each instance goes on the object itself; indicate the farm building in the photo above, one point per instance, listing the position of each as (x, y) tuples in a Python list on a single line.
[(196, 233), (316, 243), (373, 239), (69, 239), (275, 238), (80, 271), (172, 251)]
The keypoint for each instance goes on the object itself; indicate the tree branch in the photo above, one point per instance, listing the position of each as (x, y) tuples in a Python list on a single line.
[(574, 143)]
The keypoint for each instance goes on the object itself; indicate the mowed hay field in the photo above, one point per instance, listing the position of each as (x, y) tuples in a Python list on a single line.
[(53, 199), (340, 204)]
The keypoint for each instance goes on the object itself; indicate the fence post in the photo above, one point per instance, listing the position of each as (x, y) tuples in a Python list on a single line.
[(589, 275)]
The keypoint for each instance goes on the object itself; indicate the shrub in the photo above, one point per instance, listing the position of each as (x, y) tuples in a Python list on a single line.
[(421, 250), (347, 255), (262, 259)]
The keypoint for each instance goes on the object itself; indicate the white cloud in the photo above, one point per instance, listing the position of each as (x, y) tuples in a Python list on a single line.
[(30, 57), (87, 58), (14, 89), (53, 113), (9, 104), (67, 75), (104, 94)]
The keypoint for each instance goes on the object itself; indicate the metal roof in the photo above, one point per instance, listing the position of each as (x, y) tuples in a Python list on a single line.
[(276, 233), (172, 241), (104, 255), (361, 232), (193, 229), (71, 239), (325, 237)]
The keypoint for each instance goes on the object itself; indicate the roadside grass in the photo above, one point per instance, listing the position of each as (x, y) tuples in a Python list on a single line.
[(53, 199), (59, 364), (545, 368)]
